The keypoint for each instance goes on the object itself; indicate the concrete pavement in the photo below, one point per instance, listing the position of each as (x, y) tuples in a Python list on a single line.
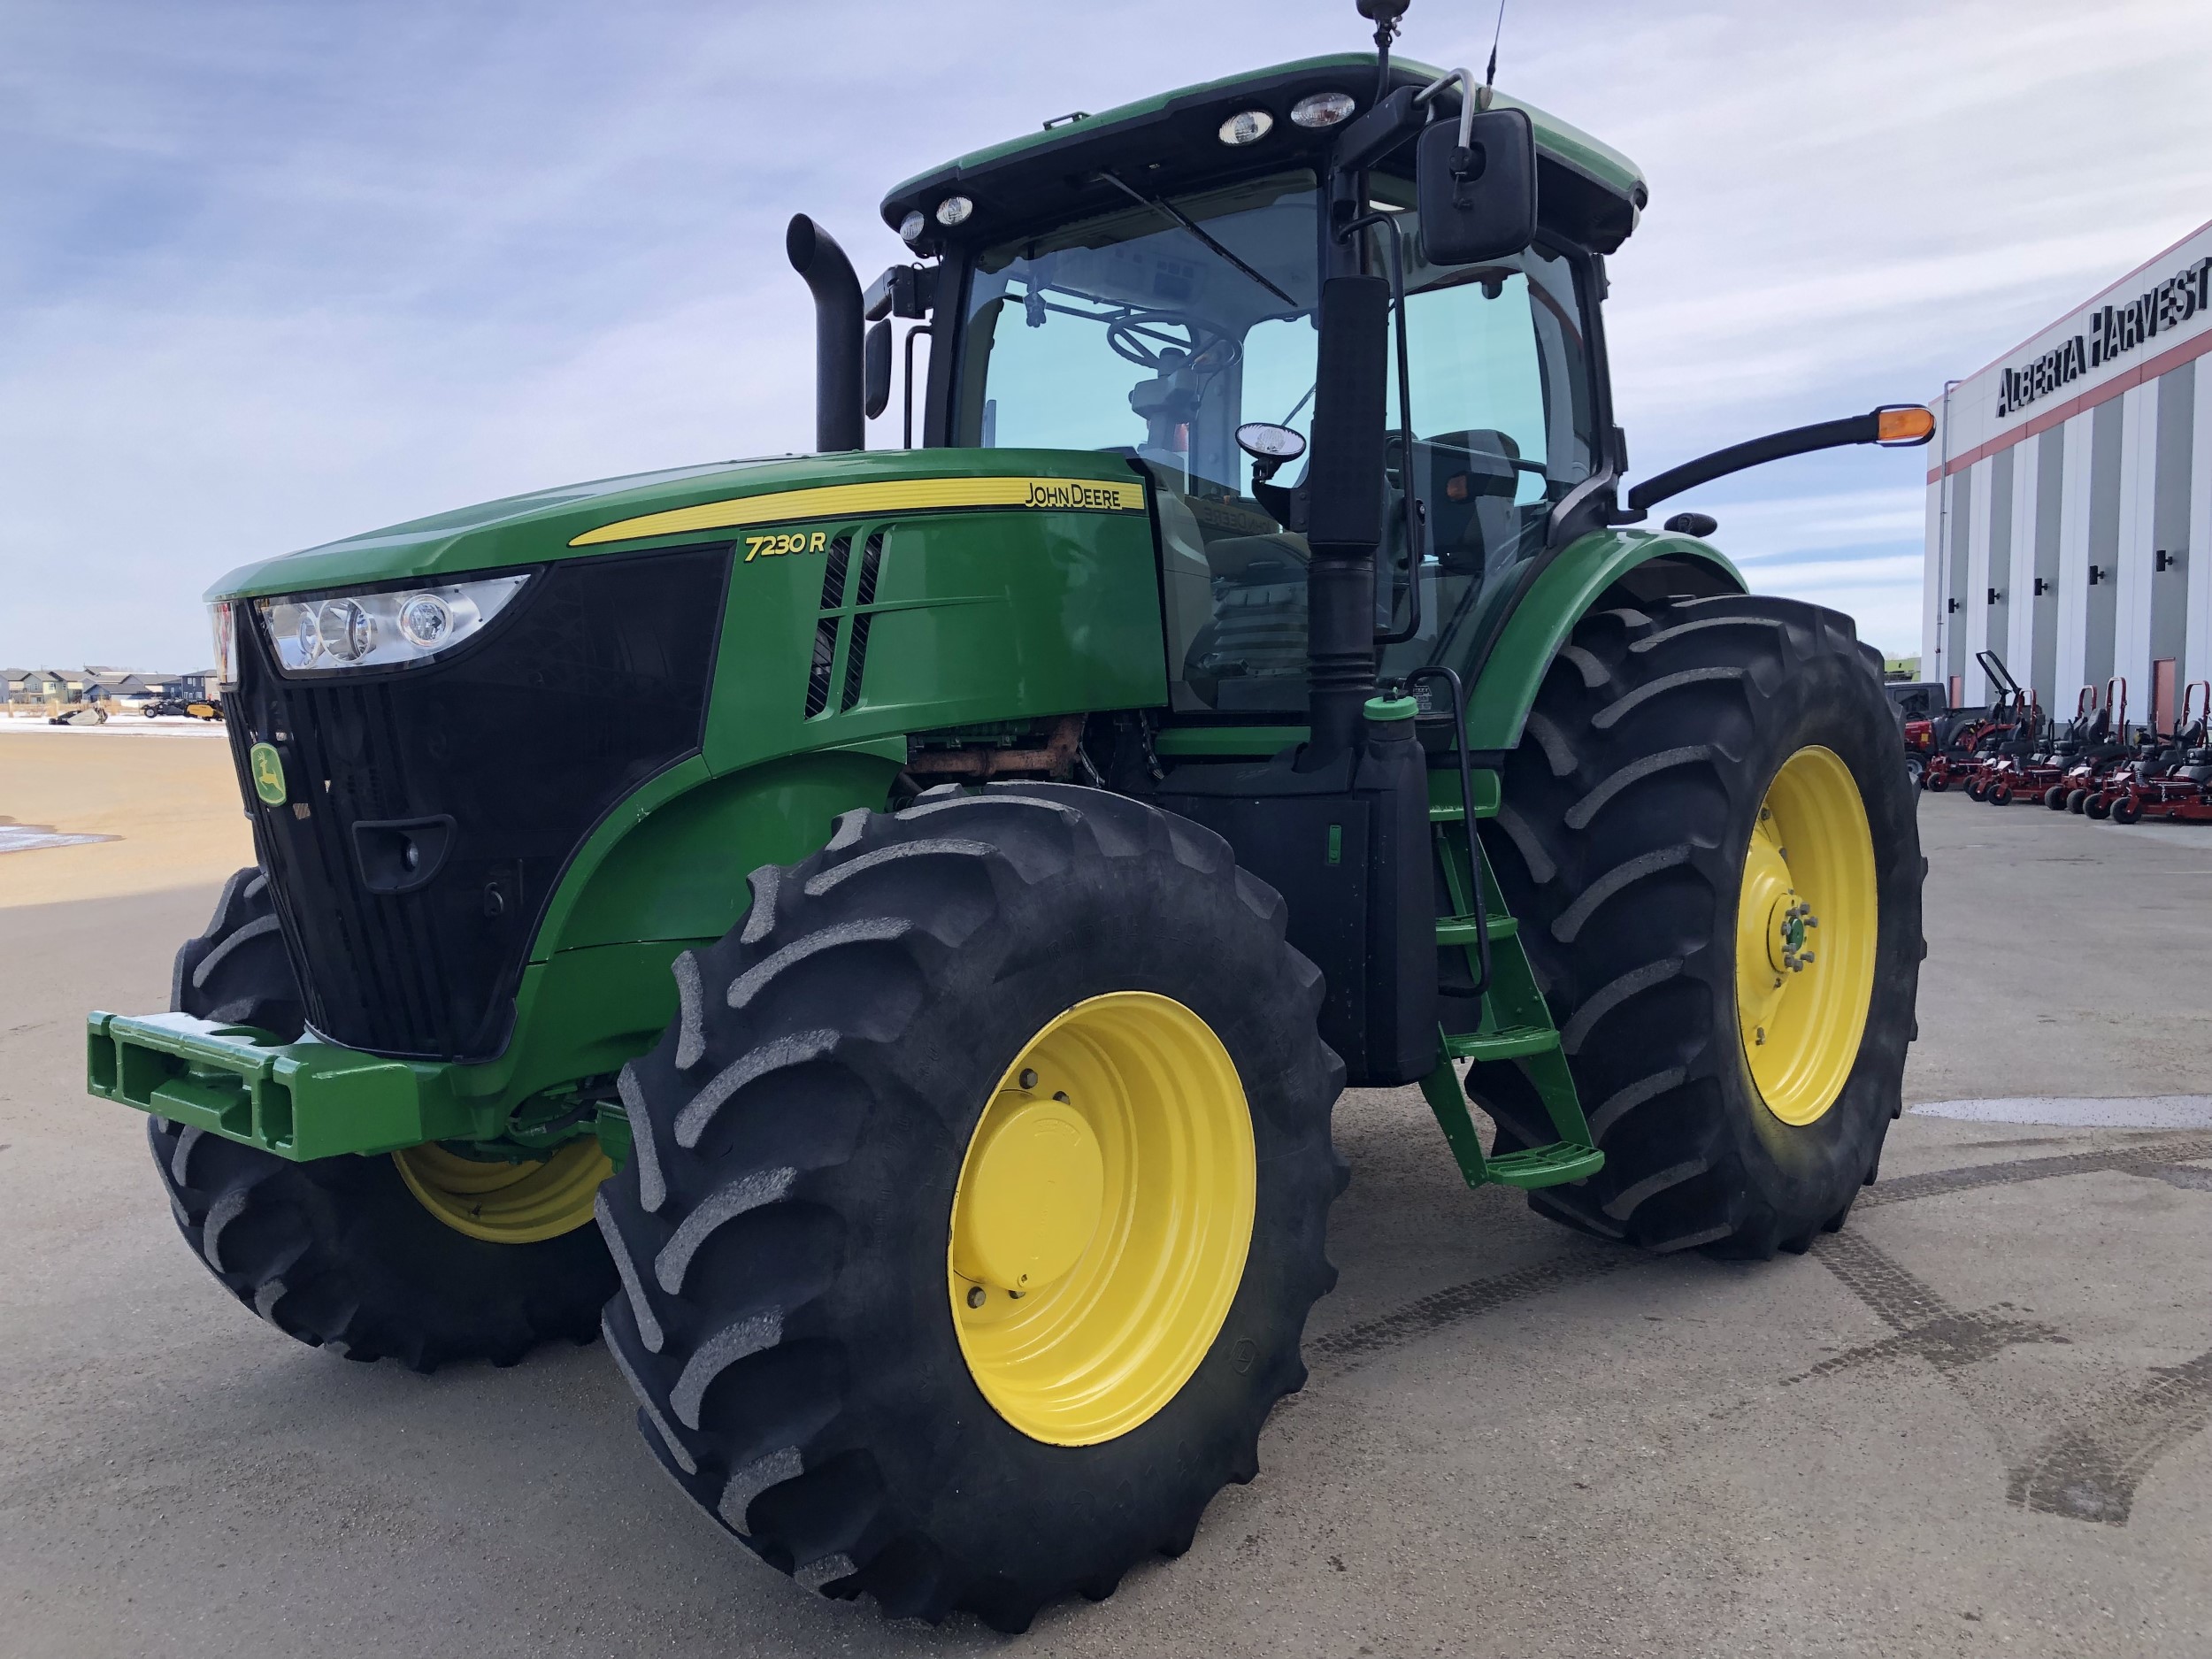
[(1971, 1423)]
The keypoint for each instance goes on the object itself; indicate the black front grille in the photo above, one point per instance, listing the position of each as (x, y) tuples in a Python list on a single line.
[(595, 679)]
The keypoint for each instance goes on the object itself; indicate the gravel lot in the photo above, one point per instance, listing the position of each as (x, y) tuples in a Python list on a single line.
[(1971, 1423)]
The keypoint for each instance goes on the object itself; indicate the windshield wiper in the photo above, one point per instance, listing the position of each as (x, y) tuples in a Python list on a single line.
[(1190, 225)]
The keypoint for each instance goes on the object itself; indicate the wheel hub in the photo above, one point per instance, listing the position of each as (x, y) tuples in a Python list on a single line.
[(507, 1203), (1802, 1012), (1104, 1210), (1032, 1196)]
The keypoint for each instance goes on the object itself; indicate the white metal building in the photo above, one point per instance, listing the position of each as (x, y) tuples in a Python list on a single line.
[(2069, 501)]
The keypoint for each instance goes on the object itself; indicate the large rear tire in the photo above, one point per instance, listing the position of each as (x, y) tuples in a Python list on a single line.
[(817, 1252), (350, 1253), (1693, 775)]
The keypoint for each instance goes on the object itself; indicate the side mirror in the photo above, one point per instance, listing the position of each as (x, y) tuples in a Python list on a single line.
[(875, 374), (1475, 183)]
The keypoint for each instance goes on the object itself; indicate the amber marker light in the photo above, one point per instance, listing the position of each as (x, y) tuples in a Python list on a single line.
[(1903, 424)]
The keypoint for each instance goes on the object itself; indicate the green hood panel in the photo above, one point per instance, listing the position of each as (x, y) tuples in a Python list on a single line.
[(542, 525)]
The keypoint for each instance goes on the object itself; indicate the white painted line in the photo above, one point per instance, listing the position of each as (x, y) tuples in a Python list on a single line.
[(2142, 1111)]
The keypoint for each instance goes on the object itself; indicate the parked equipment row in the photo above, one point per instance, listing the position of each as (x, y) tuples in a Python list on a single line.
[(2096, 763)]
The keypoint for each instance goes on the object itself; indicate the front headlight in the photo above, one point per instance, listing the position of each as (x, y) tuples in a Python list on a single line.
[(223, 616), (323, 634)]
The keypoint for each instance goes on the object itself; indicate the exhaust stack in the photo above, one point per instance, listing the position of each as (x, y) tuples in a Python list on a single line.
[(839, 423)]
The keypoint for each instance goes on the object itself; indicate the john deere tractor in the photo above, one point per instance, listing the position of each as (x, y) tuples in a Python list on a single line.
[(879, 934)]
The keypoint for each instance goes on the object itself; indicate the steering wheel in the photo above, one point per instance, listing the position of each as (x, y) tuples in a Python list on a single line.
[(1130, 345)]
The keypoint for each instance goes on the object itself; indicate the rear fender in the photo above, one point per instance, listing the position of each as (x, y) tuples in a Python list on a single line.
[(1622, 564)]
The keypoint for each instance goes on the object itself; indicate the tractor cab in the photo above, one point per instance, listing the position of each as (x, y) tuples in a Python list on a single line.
[(1148, 283)]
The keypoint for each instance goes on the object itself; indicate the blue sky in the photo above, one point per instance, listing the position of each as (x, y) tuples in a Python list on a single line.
[(277, 273)]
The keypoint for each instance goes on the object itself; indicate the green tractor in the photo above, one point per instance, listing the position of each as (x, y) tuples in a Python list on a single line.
[(880, 933)]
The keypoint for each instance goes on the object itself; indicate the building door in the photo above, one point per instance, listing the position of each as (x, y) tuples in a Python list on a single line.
[(2162, 694)]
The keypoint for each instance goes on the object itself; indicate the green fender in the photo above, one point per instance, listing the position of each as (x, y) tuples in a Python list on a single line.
[(1562, 594)]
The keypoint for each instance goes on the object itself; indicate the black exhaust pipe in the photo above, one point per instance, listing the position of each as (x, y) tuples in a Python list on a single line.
[(839, 423), (1345, 516)]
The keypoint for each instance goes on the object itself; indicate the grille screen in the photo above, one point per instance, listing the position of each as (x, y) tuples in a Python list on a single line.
[(595, 680)]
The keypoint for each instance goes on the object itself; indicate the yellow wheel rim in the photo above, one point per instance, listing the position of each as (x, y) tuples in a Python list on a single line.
[(507, 1204), (1098, 1231), (1806, 927)]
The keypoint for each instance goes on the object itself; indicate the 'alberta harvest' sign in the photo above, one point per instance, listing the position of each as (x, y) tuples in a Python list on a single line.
[(2111, 332)]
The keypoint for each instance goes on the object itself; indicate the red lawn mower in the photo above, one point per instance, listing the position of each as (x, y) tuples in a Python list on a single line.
[(2181, 792), (1969, 744), (2026, 780), (2107, 751)]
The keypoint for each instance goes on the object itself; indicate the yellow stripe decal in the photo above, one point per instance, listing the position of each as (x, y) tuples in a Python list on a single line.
[(906, 495)]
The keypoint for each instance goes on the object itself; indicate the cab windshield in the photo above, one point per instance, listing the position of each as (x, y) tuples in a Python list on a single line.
[(1153, 332)]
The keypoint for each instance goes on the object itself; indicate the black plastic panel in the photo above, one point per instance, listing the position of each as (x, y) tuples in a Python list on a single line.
[(593, 680)]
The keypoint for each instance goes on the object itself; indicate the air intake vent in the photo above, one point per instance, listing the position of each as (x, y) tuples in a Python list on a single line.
[(841, 552), (818, 676), (819, 673), (857, 655)]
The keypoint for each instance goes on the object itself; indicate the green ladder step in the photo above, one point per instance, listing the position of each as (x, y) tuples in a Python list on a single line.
[(1511, 1042), (1465, 930), (1554, 1165)]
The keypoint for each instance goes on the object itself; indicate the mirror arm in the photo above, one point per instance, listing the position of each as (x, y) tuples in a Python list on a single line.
[(1408, 506), (1827, 434), (1471, 98), (919, 329)]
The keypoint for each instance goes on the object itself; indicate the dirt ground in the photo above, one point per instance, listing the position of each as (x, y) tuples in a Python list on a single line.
[(169, 797), (1973, 1422)]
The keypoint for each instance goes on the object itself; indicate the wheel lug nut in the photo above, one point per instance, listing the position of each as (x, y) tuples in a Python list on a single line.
[(976, 1294), (1028, 1079)]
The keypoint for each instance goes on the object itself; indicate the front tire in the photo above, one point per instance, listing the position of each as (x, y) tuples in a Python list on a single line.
[(350, 1253), (1683, 766), (807, 1235)]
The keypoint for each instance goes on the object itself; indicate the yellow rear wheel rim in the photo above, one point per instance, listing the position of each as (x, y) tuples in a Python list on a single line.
[(507, 1204), (1104, 1211), (1805, 928)]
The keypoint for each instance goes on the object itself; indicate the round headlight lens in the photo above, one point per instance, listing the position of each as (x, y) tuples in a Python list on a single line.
[(348, 630), (424, 621), (310, 633), (1322, 109), (912, 226), (1247, 126), (953, 210)]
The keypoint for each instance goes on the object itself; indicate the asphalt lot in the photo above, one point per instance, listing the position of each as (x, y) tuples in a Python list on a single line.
[(1971, 1423)]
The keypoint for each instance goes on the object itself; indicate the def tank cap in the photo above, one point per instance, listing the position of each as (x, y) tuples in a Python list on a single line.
[(1392, 708)]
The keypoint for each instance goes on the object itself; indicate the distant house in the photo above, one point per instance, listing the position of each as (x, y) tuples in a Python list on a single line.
[(40, 685)]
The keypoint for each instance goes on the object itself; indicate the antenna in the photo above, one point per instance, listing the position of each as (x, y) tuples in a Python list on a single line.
[(1490, 75)]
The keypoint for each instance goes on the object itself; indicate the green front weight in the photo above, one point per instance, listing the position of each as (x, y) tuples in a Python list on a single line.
[(300, 1100)]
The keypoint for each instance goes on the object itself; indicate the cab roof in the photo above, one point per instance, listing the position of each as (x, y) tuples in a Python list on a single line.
[(1586, 190)]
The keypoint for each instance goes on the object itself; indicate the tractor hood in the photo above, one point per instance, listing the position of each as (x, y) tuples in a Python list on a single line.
[(717, 501)]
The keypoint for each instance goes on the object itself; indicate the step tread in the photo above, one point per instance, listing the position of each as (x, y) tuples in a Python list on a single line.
[(1552, 1165), (1462, 930), (1508, 1043)]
